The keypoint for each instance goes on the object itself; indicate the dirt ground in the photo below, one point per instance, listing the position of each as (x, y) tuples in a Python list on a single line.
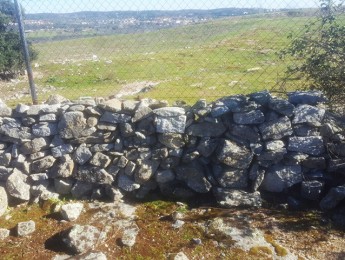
[(304, 234)]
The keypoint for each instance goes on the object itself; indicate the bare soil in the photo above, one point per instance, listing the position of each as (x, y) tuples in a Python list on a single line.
[(306, 234)]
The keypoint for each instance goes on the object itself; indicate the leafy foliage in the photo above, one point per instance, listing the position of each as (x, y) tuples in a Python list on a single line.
[(11, 57), (319, 53)]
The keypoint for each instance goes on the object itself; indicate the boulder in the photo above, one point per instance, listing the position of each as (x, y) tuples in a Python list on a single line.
[(206, 129), (82, 154), (234, 155), (194, 177), (4, 233), (249, 118), (71, 211), (17, 187), (63, 168), (25, 228), (280, 177), (72, 125), (233, 198), (3, 201), (310, 115), (82, 238), (276, 129), (312, 145), (97, 175), (45, 129), (172, 124), (333, 198), (129, 235), (281, 106), (229, 177), (306, 97)]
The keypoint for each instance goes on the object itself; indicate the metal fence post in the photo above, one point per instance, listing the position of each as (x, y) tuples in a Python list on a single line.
[(26, 52)]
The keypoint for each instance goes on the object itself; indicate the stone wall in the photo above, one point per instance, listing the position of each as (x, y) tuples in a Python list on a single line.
[(235, 148)]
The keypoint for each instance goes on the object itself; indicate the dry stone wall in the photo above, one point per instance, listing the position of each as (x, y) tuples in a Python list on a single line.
[(235, 149)]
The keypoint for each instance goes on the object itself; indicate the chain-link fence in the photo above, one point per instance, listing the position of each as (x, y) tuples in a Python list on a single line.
[(169, 49)]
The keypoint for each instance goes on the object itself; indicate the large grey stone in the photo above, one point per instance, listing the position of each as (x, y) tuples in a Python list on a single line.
[(142, 113), (63, 168), (233, 198), (276, 129), (17, 187), (5, 111), (281, 106), (207, 146), (165, 176), (48, 118), (274, 156), (4, 233), (229, 177), (312, 145), (261, 97), (63, 186), (82, 189), (82, 238), (129, 235), (115, 118), (169, 111), (193, 176), (100, 159), (145, 170), (112, 105), (311, 190), (249, 118), (71, 211), (45, 129), (42, 164), (5, 159), (337, 149), (172, 140), (82, 154), (246, 133), (93, 175), (4, 173), (280, 177), (25, 228), (310, 115), (235, 103), (306, 97), (333, 198), (35, 145), (206, 129), (62, 150), (72, 125), (126, 183), (17, 133), (3, 201), (173, 124), (234, 155)]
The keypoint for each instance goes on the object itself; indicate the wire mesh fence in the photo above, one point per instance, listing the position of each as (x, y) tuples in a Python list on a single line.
[(169, 49)]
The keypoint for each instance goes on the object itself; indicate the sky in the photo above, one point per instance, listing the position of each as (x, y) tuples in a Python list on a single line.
[(68, 6)]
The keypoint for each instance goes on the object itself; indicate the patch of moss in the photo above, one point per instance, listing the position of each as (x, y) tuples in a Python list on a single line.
[(260, 251), (280, 251)]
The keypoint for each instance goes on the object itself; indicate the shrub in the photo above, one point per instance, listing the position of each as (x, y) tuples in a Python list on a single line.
[(319, 53), (11, 56)]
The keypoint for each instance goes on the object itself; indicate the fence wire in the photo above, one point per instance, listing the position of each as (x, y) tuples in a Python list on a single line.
[(169, 49)]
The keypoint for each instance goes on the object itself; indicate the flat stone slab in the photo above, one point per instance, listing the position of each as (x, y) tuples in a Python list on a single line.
[(312, 145)]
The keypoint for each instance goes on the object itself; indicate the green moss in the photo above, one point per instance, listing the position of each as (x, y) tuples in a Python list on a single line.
[(280, 251)]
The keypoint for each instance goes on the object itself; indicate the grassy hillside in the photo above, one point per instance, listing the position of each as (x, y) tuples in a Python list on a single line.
[(222, 57)]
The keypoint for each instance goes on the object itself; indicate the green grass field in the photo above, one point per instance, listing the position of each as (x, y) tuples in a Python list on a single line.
[(210, 60)]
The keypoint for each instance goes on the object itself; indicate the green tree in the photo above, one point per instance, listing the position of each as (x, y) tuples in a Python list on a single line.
[(319, 53), (11, 56)]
